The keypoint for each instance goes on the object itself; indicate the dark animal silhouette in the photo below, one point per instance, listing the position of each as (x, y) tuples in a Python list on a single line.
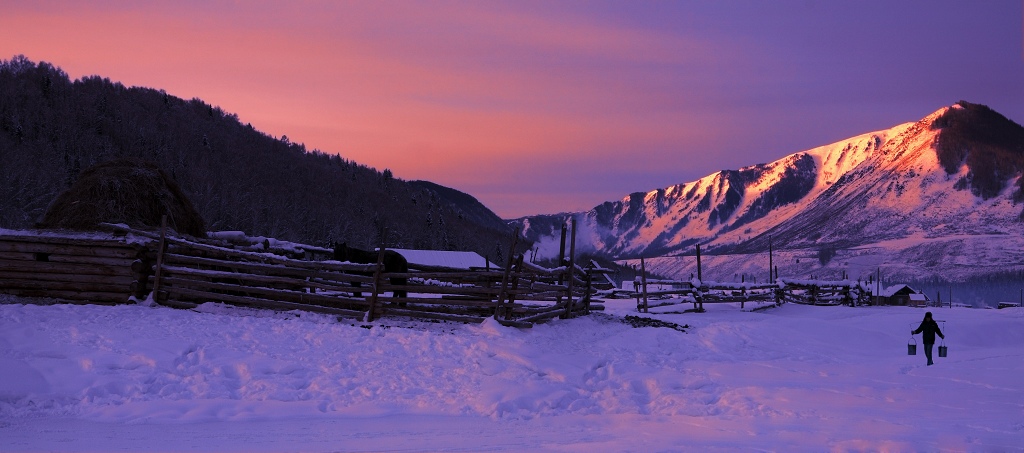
[(393, 262)]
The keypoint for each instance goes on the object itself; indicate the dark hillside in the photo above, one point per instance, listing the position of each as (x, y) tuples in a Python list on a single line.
[(471, 208), (51, 128), (991, 145)]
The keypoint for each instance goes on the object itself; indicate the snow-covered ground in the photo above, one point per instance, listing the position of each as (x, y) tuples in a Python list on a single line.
[(793, 378)]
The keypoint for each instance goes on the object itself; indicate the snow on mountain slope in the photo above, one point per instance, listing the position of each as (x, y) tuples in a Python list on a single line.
[(843, 198)]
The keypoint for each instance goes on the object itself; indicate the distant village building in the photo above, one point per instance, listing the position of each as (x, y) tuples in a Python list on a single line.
[(902, 294), (918, 300)]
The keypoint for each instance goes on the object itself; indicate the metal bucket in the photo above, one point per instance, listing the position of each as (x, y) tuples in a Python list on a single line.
[(911, 348), (942, 351)]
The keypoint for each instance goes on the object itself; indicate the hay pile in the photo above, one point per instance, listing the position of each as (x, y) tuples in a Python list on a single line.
[(126, 191)]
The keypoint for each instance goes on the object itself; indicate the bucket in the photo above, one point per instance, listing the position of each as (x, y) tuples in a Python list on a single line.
[(912, 348), (942, 347)]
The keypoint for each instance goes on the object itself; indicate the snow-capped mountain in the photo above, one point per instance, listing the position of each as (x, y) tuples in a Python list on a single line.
[(918, 198)]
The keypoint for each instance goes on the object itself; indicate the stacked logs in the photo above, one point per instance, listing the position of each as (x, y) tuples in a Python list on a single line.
[(94, 269)]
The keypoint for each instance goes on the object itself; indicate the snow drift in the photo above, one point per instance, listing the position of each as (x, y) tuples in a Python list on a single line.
[(794, 378)]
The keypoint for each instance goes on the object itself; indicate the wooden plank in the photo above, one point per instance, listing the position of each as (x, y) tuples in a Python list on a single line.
[(53, 277), (443, 269), (326, 273), (517, 324), (440, 301), (543, 309), (268, 293), (540, 286), (177, 303), (86, 286), (491, 276), (57, 238), (64, 268), (74, 259), (544, 296), (257, 302), (391, 311), (461, 297), (444, 309), (78, 297), (542, 316), (265, 280), (182, 253), (115, 250), (429, 289)]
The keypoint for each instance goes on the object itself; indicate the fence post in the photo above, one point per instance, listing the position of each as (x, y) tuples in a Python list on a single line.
[(499, 309), (561, 262), (572, 271), (142, 268), (376, 284), (160, 258), (515, 285), (590, 284)]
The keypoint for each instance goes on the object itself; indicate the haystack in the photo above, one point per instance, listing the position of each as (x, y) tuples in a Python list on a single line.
[(125, 191)]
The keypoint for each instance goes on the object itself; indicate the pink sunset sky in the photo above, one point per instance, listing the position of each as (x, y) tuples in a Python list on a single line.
[(548, 106)]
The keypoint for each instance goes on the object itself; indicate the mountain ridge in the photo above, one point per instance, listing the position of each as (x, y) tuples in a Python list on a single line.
[(955, 172)]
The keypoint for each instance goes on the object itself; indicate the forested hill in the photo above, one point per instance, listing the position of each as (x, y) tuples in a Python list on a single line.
[(51, 128)]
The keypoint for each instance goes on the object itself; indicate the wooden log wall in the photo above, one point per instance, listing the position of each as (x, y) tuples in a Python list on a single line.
[(77, 268)]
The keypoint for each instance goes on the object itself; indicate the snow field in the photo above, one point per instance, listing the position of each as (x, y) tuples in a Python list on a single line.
[(790, 378)]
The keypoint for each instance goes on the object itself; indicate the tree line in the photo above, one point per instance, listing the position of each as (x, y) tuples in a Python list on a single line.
[(52, 127)]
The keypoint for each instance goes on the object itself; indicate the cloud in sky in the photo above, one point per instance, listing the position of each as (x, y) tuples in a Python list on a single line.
[(539, 107)]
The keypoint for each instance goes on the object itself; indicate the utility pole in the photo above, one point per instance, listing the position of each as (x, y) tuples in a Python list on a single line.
[(699, 275), (878, 287)]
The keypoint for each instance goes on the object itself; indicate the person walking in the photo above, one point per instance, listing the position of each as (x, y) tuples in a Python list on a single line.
[(929, 328)]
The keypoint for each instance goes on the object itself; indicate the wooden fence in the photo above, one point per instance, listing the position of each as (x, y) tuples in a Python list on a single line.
[(184, 273), (189, 272), (683, 292), (810, 292), (819, 292)]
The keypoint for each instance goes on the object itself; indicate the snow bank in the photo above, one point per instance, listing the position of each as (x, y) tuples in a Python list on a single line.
[(790, 378)]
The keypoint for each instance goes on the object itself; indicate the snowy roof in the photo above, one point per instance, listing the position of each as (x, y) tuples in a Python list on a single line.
[(918, 297), (445, 258), (892, 290)]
